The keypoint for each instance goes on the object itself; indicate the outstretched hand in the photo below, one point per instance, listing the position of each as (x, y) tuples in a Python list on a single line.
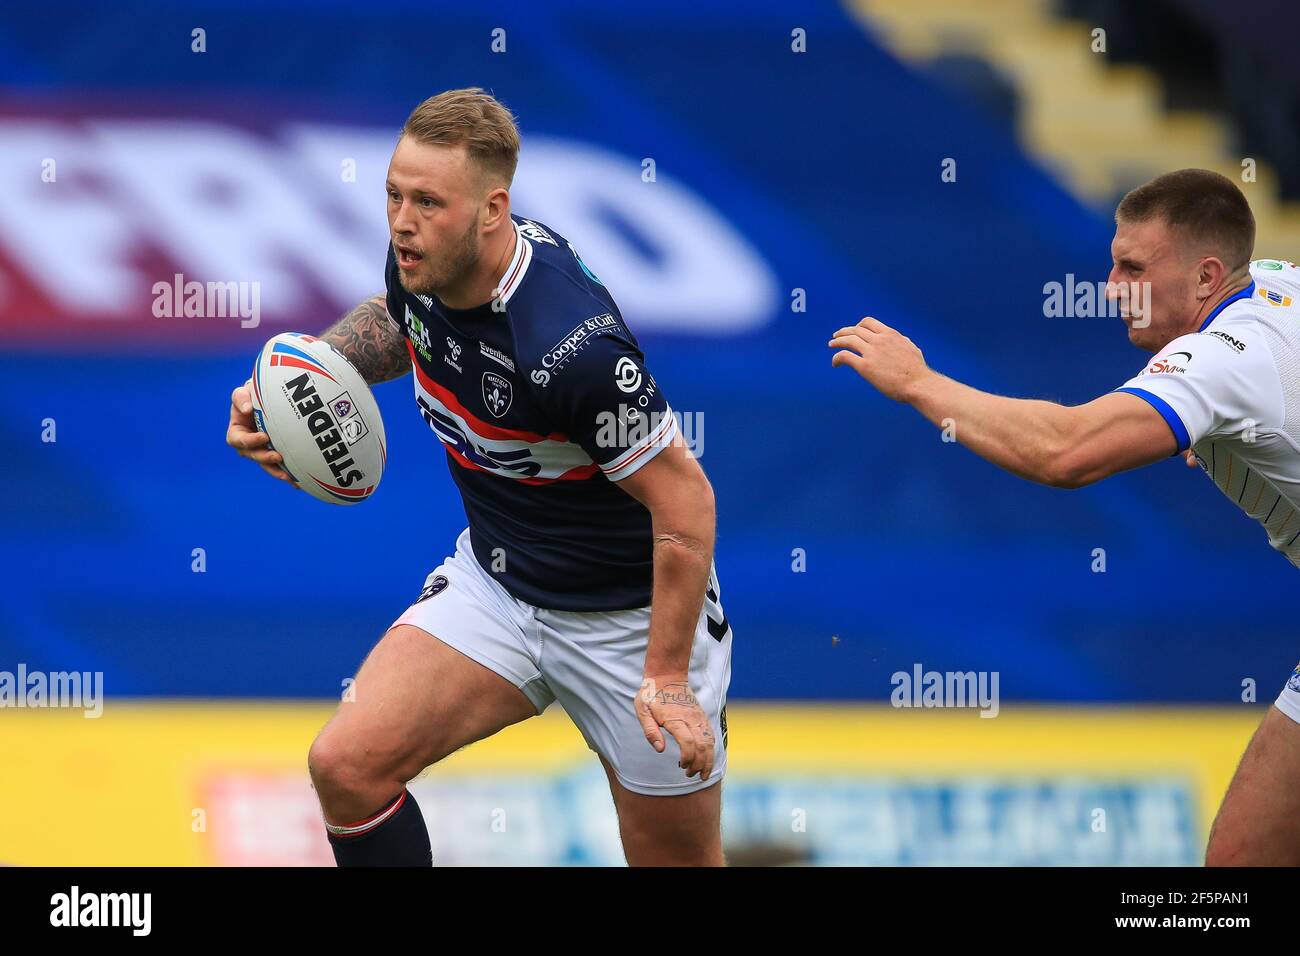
[(883, 356)]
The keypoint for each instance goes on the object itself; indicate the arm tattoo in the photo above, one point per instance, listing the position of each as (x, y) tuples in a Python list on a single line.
[(370, 342)]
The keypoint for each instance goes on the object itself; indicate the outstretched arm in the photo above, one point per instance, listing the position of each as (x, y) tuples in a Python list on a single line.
[(1066, 447), (679, 498), (370, 341)]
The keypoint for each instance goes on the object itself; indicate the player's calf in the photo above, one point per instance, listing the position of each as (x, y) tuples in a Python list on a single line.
[(1259, 821)]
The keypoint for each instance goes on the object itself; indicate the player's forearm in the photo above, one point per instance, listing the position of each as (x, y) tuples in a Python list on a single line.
[(1025, 436), (683, 557), (369, 341)]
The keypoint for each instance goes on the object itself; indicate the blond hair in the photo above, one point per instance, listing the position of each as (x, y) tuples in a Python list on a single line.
[(472, 118)]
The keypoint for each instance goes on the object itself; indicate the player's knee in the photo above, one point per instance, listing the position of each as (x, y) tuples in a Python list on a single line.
[(330, 764), (338, 767), (340, 763)]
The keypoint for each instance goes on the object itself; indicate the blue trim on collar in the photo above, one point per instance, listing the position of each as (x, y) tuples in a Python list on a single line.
[(1245, 293)]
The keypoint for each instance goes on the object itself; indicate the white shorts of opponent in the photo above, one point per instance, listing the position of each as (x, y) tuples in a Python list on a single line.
[(590, 661), (1289, 700)]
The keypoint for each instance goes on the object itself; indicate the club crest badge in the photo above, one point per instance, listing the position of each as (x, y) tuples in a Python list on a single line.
[(497, 393)]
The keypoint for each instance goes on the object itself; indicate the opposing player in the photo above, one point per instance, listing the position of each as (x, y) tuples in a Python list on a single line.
[(585, 512), (1224, 384)]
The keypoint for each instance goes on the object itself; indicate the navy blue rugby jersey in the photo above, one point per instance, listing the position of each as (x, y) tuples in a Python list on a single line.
[(542, 404)]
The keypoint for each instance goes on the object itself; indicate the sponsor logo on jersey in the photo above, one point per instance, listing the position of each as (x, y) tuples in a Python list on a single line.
[(426, 301), (1237, 344), (329, 438), (531, 230), (1170, 364), (496, 356), (453, 353), (525, 461), (626, 375), (1294, 682), (497, 393), (571, 344), (418, 335), (1274, 298), (629, 428), (433, 588), (475, 442)]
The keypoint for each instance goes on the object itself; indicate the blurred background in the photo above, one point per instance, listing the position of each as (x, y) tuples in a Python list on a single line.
[(934, 164)]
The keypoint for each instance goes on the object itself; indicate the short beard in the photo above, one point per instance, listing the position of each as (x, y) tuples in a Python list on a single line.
[(449, 269)]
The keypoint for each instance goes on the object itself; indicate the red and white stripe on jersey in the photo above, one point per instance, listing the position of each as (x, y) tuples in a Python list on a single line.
[(480, 445), (661, 436), (517, 268)]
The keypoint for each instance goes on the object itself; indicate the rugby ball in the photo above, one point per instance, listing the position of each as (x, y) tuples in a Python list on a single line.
[(321, 416)]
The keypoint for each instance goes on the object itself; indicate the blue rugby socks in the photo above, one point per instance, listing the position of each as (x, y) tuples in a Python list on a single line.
[(393, 836)]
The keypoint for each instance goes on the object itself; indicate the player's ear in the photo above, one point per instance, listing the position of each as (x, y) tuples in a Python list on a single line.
[(1210, 273), (496, 208)]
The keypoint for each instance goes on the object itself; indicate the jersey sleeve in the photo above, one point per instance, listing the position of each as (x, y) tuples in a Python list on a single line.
[(607, 402), (1210, 384)]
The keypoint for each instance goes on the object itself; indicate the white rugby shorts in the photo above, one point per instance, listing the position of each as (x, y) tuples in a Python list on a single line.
[(590, 661), (1289, 700)]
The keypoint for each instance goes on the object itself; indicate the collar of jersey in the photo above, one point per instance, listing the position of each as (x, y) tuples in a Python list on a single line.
[(1245, 293), (505, 289), (519, 263)]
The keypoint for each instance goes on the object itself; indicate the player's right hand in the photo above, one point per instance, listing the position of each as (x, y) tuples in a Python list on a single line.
[(667, 702), (243, 436)]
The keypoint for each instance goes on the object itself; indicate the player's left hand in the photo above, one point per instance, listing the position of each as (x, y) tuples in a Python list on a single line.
[(883, 356), (667, 701)]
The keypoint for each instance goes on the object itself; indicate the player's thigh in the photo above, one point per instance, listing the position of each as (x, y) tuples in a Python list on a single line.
[(1259, 821), (681, 830), (593, 663), (417, 700)]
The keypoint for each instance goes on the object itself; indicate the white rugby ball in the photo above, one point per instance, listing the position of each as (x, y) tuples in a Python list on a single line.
[(321, 416)]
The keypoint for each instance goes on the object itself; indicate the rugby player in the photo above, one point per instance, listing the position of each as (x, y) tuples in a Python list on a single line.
[(1223, 388), (585, 511)]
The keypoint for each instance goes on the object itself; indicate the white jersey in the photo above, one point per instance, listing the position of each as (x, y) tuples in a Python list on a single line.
[(1231, 392)]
